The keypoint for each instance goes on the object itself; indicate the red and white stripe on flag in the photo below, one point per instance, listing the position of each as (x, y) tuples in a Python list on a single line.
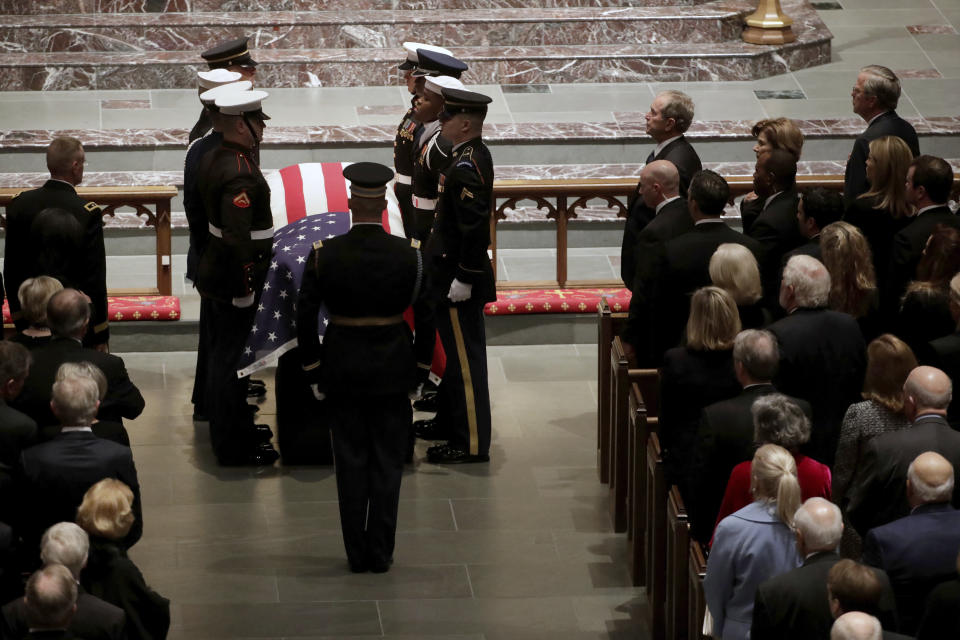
[(319, 187)]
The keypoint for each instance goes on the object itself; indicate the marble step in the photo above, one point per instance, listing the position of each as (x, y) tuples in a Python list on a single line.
[(195, 31), (38, 7)]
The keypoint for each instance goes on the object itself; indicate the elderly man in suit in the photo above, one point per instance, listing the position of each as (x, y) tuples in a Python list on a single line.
[(670, 115), (660, 306), (725, 436), (878, 492), (67, 544), (57, 473), (823, 356), (50, 603), (68, 314), (875, 97), (919, 551)]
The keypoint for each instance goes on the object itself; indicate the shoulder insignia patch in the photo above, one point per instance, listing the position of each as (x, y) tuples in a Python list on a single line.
[(317, 244), (242, 200), (467, 154), (91, 206), (466, 194), (414, 243)]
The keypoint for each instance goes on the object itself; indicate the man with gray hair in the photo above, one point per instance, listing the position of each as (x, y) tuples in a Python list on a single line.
[(823, 357), (725, 436), (875, 97), (795, 604), (57, 473), (856, 625), (68, 313), (65, 543), (50, 602), (919, 551), (878, 492)]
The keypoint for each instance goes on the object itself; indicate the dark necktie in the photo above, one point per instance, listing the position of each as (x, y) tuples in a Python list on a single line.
[(651, 157)]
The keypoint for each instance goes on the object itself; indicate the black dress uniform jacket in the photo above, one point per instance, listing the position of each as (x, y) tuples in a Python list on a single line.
[(461, 230), (887, 124), (403, 165), (237, 201), (193, 199), (433, 157), (364, 273), (777, 231), (21, 257)]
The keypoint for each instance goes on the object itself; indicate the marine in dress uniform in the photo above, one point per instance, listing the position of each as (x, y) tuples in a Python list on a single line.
[(403, 142), (462, 277), (65, 159), (211, 82), (232, 271), (233, 55), (367, 363)]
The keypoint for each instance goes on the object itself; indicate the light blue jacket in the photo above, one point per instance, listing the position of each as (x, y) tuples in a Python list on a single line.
[(749, 546)]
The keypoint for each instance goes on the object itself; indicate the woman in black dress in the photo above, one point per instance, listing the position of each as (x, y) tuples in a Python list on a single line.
[(34, 294), (853, 284)]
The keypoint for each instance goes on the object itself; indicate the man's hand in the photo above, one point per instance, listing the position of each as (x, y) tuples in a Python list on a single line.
[(319, 395), (459, 291)]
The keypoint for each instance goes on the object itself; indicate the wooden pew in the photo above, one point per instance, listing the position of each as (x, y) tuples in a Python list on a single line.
[(655, 536), (617, 457), (609, 324), (696, 601), (678, 551), (644, 398)]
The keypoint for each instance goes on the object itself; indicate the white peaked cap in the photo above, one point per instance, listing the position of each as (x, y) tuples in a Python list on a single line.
[(237, 103), (438, 83), (412, 47), (210, 96), (216, 77)]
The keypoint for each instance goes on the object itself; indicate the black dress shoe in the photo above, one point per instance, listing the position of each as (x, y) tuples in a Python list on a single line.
[(430, 430), (200, 417), (262, 433), (253, 382), (254, 391), (380, 567), (427, 403), (262, 455), (358, 568), (452, 455)]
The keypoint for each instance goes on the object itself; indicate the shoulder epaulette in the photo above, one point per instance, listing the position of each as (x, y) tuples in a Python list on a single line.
[(91, 206), (414, 243), (317, 244)]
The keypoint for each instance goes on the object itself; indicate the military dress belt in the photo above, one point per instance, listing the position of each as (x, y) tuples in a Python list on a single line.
[(424, 203), (255, 234), (404, 179), (370, 321)]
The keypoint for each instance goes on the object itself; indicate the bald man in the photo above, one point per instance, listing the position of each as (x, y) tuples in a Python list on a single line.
[(660, 190), (856, 625), (919, 551), (878, 492)]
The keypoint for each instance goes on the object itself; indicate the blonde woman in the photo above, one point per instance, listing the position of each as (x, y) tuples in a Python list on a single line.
[(697, 374), (34, 294), (754, 544), (734, 269), (853, 283), (106, 514)]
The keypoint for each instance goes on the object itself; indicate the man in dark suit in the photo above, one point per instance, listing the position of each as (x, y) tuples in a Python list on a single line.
[(817, 208), (56, 474), (670, 115), (726, 434), (919, 551), (823, 356), (50, 603), (878, 492), (796, 604), (944, 353), (18, 431), (852, 586), (775, 227), (68, 315), (875, 97), (663, 303), (67, 544), (65, 160), (929, 182), (366, 365)]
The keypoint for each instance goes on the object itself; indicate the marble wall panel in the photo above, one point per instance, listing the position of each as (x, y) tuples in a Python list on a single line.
[(645, 70), (485, 34)]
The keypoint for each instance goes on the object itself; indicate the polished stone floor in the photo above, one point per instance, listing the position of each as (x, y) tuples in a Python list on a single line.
[(514, 549)]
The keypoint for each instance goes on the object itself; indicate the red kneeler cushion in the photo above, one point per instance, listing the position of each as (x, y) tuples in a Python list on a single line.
[(131, 308), (522, 301)]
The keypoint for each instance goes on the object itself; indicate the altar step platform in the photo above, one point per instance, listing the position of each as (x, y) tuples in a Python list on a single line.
[(65, 45)]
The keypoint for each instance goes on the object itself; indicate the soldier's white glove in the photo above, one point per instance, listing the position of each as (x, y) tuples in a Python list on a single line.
[(319, 395), (416, 393), (459, 291)]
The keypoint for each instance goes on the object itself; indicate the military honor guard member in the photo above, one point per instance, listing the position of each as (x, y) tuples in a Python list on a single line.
[(233, 55), (25, 240), (232, 271), (367, 364), (462, 277), (403, 142), (217, 81)]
